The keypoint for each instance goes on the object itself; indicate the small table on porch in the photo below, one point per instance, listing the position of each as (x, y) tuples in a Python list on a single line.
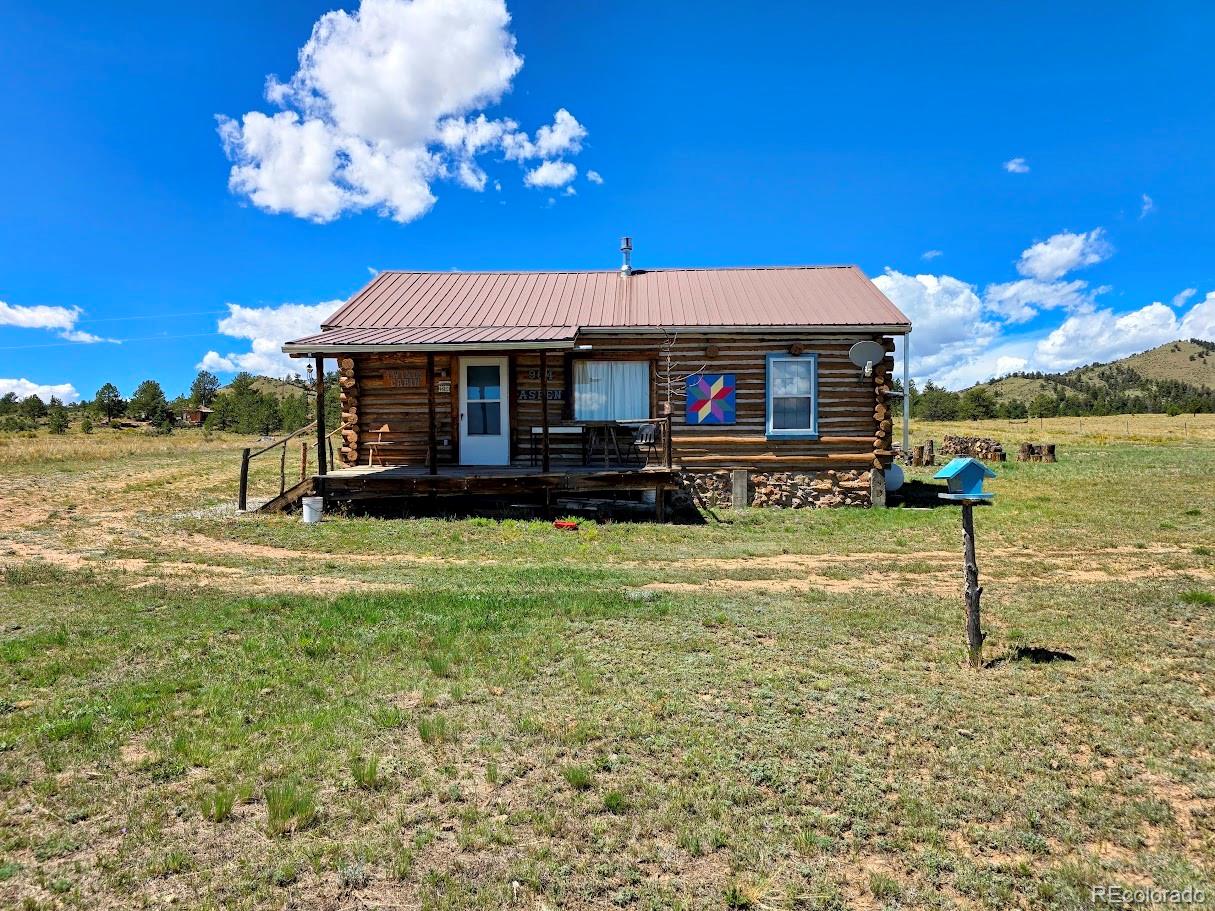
[(605, 436)]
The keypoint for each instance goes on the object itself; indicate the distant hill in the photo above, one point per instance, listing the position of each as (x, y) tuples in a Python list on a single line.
[(279, 388), (1190, 362)]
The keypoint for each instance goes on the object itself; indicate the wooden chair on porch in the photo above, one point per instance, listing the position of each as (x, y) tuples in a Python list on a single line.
[(374, 446)]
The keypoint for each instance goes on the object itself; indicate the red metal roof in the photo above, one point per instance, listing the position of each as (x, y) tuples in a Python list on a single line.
[(435, 308)]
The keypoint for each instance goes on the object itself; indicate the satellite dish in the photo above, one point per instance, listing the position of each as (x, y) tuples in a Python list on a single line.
[(866, 353)]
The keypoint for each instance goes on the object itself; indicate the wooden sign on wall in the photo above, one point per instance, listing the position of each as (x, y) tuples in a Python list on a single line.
[(533, 395), (405, 379)]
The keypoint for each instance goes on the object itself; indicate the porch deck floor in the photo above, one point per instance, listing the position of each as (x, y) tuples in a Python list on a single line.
[(469, 472)]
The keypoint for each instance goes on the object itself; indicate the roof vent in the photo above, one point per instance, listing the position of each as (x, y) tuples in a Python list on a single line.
[(626, 250)]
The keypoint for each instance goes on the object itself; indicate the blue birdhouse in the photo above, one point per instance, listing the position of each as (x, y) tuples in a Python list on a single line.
[(965, 480)]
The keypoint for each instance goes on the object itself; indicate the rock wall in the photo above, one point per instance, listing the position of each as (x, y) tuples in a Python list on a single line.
[(781, 489)]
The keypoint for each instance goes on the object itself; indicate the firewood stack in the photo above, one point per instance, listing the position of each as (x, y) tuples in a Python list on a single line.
[(1036, 452), (349, 453), (984, 448)]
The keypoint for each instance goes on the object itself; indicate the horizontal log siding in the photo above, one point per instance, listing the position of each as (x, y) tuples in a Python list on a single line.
[(851, 436), (848, 428), (403, 410)]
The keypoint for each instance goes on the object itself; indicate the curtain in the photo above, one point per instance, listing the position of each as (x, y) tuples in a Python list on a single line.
[(611, 390)]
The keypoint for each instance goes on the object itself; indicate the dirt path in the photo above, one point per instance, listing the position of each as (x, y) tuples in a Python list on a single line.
[(108, 509)]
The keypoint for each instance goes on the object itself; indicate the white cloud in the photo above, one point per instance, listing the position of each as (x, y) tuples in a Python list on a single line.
[(1181, 298), (594, 177), (551, 174), (931, 254), (1061, 253), (385, 102), (1200, 321), (39, 316), (1148, 206), (563, 137), (962, 337), (1102, 335), (42, 316), (23, 388), (1016, 166), (947, 313), (86, 338), (1019, 301), (1009, 363), (266, 328)]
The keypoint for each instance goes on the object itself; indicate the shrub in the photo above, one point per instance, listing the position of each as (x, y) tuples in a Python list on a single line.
[(290, 807), (217, 805), (614, 802), (577, 777), (366, 772), (436, 730)]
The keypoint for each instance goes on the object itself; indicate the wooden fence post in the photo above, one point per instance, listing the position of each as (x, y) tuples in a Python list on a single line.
[(974, 623), (303, 460), (242, 498), (282, 470)]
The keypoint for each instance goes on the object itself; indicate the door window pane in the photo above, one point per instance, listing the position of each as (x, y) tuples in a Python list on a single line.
[(484, 383), (484, 418), (611, 390)]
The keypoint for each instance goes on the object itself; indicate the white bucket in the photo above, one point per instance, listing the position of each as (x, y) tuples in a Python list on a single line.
[(313, 507)]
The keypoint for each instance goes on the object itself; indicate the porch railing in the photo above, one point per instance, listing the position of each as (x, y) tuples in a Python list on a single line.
[(248, 454), (605, 436)]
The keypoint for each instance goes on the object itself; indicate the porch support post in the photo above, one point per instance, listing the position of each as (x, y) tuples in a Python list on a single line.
[(320, 415), (432, 451), (545, 460)]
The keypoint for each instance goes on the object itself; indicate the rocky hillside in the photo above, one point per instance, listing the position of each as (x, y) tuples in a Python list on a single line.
[(1190, 362)]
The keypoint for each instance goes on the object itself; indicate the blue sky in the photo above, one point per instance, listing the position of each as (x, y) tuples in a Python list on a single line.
[(723, 134)]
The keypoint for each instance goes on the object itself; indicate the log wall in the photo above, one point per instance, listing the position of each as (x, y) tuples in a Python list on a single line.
[(855, 416)]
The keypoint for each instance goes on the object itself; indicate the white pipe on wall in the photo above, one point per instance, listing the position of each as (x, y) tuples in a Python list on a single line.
[(906, 394)]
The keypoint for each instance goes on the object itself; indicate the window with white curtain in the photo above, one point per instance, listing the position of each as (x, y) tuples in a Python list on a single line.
[(611, 390)]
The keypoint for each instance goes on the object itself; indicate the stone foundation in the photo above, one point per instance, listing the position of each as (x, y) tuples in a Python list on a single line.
[(780, 489)]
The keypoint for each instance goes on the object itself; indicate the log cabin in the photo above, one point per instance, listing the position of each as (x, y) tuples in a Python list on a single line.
[(733, 386)]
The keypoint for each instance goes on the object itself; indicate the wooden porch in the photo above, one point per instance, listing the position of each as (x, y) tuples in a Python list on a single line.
[(408, 481)]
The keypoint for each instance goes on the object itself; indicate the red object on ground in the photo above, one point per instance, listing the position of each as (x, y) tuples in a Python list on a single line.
[(565, 524)]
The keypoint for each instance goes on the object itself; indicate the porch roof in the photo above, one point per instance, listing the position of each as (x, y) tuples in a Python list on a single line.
[(439, 337)]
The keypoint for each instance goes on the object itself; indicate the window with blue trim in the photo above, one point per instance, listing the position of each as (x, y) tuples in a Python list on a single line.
[(792, 396)]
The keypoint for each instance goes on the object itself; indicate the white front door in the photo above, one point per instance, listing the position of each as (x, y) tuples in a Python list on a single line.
[(484, 411)]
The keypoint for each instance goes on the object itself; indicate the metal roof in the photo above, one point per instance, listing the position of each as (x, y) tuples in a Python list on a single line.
[(450, 308)]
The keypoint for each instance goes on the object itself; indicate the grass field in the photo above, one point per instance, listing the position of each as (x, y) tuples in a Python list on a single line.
[(210, 711)]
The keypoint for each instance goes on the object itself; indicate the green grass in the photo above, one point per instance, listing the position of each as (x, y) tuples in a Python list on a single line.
[(482, 714)]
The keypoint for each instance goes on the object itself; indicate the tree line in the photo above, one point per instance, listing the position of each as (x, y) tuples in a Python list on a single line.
[(1120, 390), (239, 407)]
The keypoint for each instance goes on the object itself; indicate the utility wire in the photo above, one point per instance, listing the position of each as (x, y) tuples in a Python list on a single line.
[(112, 341)]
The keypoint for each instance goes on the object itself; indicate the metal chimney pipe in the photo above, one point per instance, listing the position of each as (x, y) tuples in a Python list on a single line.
[(626, 250)]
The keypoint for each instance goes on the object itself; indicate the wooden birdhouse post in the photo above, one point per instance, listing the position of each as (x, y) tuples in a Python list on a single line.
[(965, 479)]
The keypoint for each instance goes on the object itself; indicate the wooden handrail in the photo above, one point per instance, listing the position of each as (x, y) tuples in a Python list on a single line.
[(248, 454)]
